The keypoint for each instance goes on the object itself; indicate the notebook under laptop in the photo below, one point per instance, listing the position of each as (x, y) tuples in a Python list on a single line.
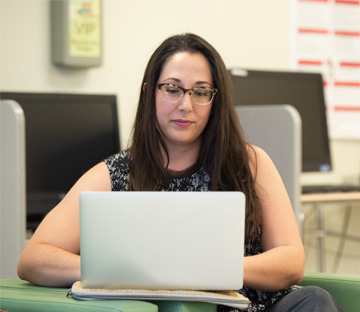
[(162, 240)]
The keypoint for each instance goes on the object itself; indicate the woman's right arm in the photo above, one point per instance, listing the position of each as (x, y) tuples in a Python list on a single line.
[(51, 258)]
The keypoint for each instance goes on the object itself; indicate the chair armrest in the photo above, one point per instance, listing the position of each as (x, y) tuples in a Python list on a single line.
[(18, 295), (177, 306), (344, 288)]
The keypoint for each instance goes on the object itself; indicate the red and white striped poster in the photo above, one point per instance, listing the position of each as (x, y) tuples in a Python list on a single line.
[(325, 38)]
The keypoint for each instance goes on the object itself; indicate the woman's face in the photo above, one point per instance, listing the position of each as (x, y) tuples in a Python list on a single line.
[(182, 123)]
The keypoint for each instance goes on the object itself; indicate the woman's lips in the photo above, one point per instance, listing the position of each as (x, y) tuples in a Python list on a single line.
[(182, 123)]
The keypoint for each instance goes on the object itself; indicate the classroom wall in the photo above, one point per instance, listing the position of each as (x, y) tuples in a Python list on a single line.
[(247, 33)]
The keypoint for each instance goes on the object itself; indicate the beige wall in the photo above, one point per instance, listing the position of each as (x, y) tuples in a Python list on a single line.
[(247, 33)]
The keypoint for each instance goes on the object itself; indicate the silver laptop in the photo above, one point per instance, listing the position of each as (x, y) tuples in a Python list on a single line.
[(162, 240)]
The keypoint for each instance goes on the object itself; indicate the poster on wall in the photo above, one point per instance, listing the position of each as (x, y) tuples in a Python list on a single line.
[(84, 28), (76, 33), (325, 38)]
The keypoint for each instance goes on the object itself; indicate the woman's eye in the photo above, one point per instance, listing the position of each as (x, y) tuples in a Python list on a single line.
[(201, 92), (172, 90)]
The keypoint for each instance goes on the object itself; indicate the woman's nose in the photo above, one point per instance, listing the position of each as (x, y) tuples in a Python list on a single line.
[(186, 102)]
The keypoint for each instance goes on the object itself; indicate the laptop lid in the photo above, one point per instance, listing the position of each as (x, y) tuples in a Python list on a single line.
[(162, 240)]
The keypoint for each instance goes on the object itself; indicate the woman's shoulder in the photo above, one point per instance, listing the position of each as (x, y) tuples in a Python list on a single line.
[(258, 159), (119, 167), (119, 159), (255, 153)]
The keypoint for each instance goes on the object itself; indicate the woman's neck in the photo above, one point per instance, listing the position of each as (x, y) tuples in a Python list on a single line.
[(182, 157)]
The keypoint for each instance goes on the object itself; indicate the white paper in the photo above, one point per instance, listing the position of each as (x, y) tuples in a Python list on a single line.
[(325, 38)]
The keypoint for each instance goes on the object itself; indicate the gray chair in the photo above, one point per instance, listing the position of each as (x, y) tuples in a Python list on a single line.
[(12, 179), (277, 130)]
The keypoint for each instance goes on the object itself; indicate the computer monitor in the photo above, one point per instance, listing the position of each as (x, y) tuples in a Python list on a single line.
[(66, 135), (304, 91)]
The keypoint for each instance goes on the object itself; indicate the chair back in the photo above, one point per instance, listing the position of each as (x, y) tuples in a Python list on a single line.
[(277, 130), (13, 196)]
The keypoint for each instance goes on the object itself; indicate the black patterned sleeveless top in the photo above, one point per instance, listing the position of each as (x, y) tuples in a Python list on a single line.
[(195, 179)]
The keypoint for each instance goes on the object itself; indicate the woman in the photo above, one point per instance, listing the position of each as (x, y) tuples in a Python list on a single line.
[(186, 137)]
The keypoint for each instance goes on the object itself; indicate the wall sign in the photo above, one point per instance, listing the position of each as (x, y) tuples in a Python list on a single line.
[(325, 38), (76, 32)]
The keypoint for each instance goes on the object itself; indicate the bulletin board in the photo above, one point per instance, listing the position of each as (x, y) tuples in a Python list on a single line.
[(325, 38)]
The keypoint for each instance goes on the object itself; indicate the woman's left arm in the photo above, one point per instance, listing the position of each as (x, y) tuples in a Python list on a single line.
[(282, 262)]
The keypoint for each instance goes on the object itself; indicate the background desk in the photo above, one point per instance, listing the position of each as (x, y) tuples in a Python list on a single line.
[(349, 200)]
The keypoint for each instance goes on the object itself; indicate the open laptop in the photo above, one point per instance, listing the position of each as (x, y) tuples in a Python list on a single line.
[(162, 240)]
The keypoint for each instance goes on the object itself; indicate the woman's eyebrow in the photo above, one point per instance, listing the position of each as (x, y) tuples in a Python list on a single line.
[(196, 83), (174, 79), (203, 82)]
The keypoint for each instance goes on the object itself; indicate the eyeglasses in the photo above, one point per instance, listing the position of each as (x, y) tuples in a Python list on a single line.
[(173, 93)]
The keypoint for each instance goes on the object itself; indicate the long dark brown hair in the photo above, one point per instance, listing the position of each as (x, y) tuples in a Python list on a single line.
[(223, 153)]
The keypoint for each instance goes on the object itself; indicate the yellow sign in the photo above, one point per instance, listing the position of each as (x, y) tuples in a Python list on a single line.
[(85, 28)]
